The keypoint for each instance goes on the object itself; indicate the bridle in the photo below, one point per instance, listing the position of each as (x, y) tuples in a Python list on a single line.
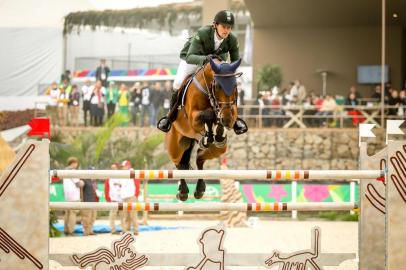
[(219, 106)]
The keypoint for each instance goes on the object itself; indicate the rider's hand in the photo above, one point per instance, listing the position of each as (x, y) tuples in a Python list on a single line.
[(210, 57)]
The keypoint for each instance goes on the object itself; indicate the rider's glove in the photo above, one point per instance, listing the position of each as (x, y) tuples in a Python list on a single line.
[(209, 57)]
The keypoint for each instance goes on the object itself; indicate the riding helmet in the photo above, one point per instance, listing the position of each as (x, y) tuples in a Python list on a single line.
[(224, 17)]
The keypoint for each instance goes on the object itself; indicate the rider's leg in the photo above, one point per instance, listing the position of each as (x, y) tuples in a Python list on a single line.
[(184, 69)]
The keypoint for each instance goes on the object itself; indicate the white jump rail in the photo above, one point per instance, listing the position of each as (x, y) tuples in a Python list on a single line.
[(265, 175), (205, 207)]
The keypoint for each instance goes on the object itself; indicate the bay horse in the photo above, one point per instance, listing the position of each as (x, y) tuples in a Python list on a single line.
[(209, 109)]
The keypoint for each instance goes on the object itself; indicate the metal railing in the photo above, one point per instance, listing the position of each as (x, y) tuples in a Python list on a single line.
[(288, 116)]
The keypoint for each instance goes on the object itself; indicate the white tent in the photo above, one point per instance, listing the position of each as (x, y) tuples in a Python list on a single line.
[(32, 46), (31, 51)]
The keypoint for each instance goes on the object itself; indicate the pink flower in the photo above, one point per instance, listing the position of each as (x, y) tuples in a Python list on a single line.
[(277, 192), (316, 193)]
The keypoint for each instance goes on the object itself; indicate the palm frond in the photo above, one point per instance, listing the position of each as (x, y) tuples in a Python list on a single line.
[(104, 135)]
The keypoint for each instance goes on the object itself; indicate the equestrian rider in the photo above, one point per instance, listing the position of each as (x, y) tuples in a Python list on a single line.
[(210, 41)]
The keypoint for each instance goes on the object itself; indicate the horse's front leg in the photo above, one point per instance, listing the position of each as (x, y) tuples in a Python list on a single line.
[(200, 185), (220, 135), (207, 118)]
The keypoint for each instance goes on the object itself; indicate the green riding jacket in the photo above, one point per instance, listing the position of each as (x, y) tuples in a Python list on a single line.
[(201, 44)]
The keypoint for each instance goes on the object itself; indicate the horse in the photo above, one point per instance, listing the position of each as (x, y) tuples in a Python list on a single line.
[(209, 109)]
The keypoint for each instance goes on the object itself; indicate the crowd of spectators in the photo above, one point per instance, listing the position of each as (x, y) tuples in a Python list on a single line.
[(86, 190), (275, 107), (142, 103)]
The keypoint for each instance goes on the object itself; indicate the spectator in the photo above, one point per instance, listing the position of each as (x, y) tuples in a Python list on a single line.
[(112, 191), (297, 92), (146, 108), (111, 99), (73, 106), (402, 97), (353, 90), (294, 90), (318, 101), (157, 99), (240, 98), (87, 90), (67, 86), (90, 194), (309, 110), (103, 72), (62, 106), (97, 104), (257, 104), (394, 100), (284, 95), (52, 108), (71, 190), (352, 101), (130, 190), (377, 94), (327, 109), (124, 103), (166, 97), (276, 111), (66, 76), (135, 102), (260, 110)]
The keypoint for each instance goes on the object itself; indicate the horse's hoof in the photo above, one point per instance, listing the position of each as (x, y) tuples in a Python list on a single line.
[(200, 189), (198, 195), (182, 196)]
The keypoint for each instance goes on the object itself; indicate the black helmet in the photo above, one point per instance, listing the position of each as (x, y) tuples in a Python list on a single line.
[(224, 17)]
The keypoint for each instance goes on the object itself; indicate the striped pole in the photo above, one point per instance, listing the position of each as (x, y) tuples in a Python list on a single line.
[(204, 207), (265, 175)]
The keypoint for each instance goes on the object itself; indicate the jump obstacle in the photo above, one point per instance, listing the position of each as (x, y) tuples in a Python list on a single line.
[(264, 175), (205, 207), (24, 200)]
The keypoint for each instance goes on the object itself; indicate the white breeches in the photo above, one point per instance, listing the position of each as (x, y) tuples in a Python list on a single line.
[(184, 69)]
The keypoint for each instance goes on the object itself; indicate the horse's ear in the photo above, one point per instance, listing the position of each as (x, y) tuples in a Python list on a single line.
[(215, 67), (234, 65)]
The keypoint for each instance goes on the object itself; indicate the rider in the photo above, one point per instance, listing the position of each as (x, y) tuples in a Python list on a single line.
[(210, 41)]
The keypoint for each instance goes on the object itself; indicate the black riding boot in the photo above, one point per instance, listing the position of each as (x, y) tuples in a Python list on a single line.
[(165, 122)]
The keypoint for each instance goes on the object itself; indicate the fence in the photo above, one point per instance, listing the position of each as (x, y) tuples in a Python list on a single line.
[(300, 116)]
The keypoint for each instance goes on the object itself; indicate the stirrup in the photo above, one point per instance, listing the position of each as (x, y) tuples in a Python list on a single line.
[(165, 127), (240, 127)]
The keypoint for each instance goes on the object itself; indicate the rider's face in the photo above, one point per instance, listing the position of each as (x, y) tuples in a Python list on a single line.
[(223, 30)]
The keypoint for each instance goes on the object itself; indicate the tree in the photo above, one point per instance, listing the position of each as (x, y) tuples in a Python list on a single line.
[(268, 77), (97, 149)]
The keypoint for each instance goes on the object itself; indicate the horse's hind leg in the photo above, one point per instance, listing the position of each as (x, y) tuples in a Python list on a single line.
[(184, 164)]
